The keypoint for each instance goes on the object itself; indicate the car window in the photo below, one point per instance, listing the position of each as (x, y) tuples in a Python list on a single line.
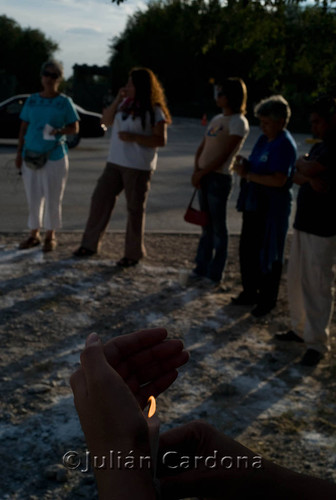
[(14, 108)]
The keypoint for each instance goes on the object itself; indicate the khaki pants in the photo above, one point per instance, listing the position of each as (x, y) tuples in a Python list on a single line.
[(310, 287), (111, 183)]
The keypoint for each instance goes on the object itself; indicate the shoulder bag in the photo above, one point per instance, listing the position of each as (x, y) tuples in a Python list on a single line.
[(194, 216)]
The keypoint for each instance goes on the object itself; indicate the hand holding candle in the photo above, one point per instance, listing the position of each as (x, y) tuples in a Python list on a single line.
[(112, 422), (126, 370)]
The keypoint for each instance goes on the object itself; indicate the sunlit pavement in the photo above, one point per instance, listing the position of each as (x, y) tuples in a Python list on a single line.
[(170, 190)]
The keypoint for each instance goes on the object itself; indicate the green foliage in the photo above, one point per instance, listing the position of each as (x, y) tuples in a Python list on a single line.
[(22, 52), (275, 46)]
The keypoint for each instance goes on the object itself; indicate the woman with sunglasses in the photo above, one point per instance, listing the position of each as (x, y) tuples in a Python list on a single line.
[(139, 116), (47, 117)]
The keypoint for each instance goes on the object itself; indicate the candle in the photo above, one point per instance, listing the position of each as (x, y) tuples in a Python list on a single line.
[(153, 423)]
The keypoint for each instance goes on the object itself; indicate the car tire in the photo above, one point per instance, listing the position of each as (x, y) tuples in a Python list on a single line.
[(73, 140)]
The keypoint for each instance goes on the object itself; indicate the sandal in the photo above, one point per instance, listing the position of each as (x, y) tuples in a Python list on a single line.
[(32, 241), (83, 252), (125, 262), (49, 245)]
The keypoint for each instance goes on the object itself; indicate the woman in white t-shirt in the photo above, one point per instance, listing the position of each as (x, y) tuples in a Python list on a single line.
[(139, 117), (214, 157)]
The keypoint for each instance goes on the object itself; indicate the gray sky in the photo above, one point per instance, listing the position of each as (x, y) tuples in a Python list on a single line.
[(82, 28)]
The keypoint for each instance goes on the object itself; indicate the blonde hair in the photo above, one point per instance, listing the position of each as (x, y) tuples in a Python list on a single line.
[(275, 106)]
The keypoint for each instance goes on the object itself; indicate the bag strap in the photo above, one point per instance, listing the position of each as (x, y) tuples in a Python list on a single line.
[(192, 197)]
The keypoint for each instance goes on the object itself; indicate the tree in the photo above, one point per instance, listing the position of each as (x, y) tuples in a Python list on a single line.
[(276, 46), (22, 52), (171, 37)]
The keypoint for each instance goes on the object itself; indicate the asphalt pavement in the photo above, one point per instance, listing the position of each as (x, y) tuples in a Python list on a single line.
[(170, 189)]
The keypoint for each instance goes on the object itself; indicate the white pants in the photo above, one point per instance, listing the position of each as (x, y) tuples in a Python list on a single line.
[(311, 287), (44, 191)]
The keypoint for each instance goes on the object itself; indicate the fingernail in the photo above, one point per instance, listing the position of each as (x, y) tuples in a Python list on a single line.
[(93, 338)]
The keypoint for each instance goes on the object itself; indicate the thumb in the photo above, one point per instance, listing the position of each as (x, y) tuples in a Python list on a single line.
[(92, 339), (94, 363)]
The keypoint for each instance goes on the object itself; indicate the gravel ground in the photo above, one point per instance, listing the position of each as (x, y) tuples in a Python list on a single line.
[(238, 378)]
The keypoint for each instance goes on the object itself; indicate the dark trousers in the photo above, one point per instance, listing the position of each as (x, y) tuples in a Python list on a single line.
[(257, 281)]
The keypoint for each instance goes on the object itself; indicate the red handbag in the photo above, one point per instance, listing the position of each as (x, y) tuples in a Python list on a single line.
[(194, 216)]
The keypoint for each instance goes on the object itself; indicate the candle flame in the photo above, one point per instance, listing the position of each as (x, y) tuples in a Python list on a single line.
[(152, 408)]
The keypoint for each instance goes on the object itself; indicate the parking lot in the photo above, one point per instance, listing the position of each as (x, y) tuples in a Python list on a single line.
[(170, 191)]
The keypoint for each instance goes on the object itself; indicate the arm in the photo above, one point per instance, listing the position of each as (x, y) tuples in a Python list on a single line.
[(309, 168), (110, 111), (277, 179), (158, 138), (299, 178), (317, 183), (260, 479), (22, 132), (310, 171), (196, 177), (70, 129), (227, 148), (241, 167), (198, 154)]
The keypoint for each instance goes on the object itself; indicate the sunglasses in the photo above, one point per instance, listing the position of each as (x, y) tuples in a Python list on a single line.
[(54, 76)]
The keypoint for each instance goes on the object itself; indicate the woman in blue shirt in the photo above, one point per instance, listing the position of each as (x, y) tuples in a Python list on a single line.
[(47, 117), (265, 200)]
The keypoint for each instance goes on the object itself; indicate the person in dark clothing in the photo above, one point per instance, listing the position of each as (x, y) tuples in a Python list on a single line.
[(313, 249), (265, 199)]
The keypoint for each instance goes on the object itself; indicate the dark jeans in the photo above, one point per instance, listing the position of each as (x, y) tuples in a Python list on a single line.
[(255, 282), (212, 248)]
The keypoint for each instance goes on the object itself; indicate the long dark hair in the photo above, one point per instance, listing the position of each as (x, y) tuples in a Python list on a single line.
[(148, 94), (235, 91)]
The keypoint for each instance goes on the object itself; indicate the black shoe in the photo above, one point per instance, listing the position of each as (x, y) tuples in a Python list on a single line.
[(194, 276), (289, 337), (125, 262), (261, 310), (311, 358), (83, 252), (244, 299), (197, 274)]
